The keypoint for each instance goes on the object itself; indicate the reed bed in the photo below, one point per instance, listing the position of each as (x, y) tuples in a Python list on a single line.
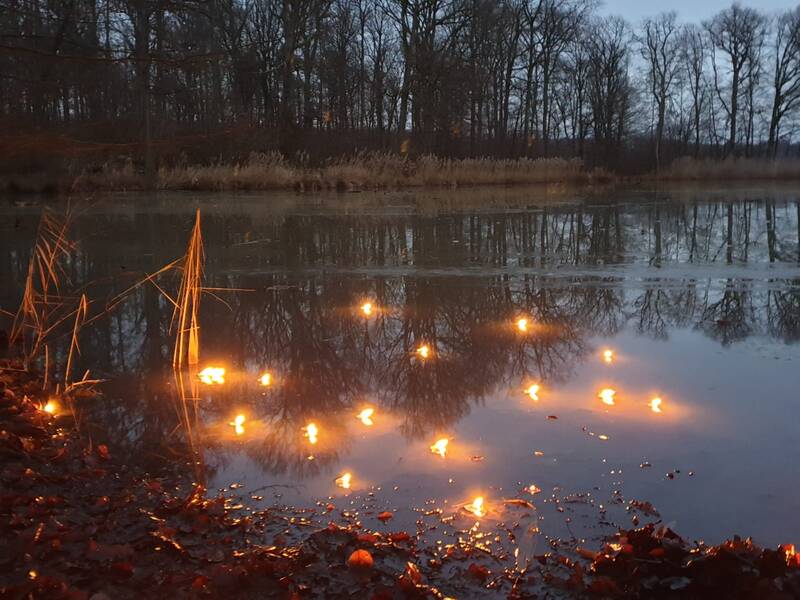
[(361, 172), (731, 169)]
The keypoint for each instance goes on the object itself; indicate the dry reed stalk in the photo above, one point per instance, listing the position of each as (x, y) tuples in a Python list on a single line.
[(185, 313), (80, 317), (42, 307)]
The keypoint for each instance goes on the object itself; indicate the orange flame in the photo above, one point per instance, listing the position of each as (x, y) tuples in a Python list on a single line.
[(440, 447), (607, 396), (533, 489), (367, 308), (238, 424), (655, 405), (212, 375), (311, 432), (533, 392), (344, 481), (522, 324), (424, 351), (608, 356), (365, 416), (51, 407), (476, 507), (265, 379)]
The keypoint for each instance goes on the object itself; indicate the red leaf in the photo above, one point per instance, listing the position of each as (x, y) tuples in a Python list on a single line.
[(399, 536), (478, 571), (385, 516)]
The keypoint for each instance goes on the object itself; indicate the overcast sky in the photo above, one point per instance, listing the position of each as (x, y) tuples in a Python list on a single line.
[(688, 10)]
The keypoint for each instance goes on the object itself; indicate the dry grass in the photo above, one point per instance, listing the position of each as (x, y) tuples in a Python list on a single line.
[(731, 169), (362, 172), (43, 307)]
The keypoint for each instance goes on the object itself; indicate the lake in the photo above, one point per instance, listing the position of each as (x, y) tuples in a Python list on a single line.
[(689, 297)]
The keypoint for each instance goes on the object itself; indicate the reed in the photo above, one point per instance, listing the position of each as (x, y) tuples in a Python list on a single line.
[(185, 313), (731, 169), (360, 172)]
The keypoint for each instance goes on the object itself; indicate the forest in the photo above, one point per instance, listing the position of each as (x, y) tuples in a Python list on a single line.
[(85, 84)]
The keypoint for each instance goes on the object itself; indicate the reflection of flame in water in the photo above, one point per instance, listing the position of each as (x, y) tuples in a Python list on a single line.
[(367, 308), (212, 375), (365, 416), (424, 351), (533, 392), (265, 379), (51, 407), (522, 324), (608, 356), (311, 432), (476, 507), (238, 424), (440, 447), (607, 396), (344, 480), (655, 405)]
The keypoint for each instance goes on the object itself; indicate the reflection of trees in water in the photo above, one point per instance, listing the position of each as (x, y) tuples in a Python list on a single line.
[(303, 324)]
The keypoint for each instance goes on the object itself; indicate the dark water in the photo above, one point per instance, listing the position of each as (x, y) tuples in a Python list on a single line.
[(698, 297)]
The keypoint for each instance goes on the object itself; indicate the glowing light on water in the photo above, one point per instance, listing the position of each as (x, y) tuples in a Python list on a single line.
[(533, 392), (608, 356), (365, 416), (344, 481), (533, 490), (265, 379), (522, 324), (311, 432), (607, 396), (424, 351), (655, 405), (476, 507), (212, 375), (440, 447), (238, 424), (51, 407), (367, 308)]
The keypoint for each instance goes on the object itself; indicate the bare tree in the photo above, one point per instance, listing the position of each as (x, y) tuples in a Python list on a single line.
[(786, 78), (734, 32), (660, 51)]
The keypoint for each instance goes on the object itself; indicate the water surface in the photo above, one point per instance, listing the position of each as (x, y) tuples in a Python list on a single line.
[(697, 295)]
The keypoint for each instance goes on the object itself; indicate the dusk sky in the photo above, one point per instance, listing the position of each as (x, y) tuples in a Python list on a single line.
[(688, 10)]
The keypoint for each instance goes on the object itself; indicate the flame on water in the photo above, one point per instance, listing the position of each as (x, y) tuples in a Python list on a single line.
[(440, 447), (365, 416), (608, 356), (265, 379), (476, 507), (522, 324), (51, 407), (607, 396), (655, 405), (533, 489), (311, 432), (424, 351), (533, 392), (212, 375), (238, 424), (367, 308), (603, 437), (344, 481), (790, 551)]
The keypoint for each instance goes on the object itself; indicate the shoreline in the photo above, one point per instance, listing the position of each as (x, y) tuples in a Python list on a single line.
[(395, 173)]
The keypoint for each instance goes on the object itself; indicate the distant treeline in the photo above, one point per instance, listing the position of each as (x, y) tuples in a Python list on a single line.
[(166, 82)]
